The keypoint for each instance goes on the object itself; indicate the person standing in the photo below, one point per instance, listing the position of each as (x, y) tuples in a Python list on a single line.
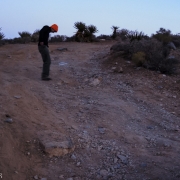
[(44, 51)]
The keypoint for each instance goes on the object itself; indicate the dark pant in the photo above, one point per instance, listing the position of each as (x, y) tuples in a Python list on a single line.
[(44, 51)]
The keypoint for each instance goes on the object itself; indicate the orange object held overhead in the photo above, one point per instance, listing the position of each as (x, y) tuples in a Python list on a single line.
[(55, 27)]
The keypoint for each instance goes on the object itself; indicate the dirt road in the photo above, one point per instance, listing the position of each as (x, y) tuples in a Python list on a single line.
[(122, 125)]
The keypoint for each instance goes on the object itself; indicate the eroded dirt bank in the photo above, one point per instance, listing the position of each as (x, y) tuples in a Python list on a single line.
[(123, 125)]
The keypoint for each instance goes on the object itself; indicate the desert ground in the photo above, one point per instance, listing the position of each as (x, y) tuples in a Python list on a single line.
[(107, 125)]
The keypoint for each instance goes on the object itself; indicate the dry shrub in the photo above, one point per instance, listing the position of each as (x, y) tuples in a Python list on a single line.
[(156, 54), (139, 58)]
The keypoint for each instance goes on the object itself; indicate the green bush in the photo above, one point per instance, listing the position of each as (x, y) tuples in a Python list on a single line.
[(139, 58), (163, 35)]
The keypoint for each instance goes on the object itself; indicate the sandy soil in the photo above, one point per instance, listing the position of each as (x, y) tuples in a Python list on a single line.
[(123, 125)]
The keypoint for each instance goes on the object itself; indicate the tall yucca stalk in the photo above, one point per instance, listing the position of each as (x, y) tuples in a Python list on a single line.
[(114, 28)]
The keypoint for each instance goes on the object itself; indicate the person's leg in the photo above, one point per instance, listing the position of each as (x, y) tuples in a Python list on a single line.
[(44, 51)]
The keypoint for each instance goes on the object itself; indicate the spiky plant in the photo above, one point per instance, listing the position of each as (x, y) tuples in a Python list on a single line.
[(80, 26), (92, 29), (1, 35), (114, 28), (135, 35), (89, 32)]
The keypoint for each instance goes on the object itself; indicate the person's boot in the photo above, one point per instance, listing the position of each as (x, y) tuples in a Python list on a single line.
[(45, 78)]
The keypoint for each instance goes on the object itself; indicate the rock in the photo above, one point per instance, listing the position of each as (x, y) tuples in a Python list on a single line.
[(117, 69), (171, 45), (150, 127), (117, 166), (99, 148), (73, 157), (123, 159), (56, 148), (62, 63), (104, 173), (78, 164), (62, 49), (143, 165), (17, 97), (96, 81), (101, 130), (115, 160), (8, 120), (36, 177), (61, 177)]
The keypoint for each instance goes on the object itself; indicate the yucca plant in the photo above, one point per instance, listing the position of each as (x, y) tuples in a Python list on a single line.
[(135, 35), (1, 35), (80, 26), (114, 28), (89, 32)]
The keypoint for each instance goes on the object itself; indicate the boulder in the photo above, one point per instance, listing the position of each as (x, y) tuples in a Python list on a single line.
[(55, 148)]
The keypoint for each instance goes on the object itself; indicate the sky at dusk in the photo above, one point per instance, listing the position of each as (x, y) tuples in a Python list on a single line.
[(141, 15)]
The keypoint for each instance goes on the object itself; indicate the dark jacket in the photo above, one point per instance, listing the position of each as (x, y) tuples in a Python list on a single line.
[(44, 35)]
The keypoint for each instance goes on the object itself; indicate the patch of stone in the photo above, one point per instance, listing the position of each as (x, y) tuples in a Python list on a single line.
[(62, 49), (117, 69), (101, 130), (8, 119), (36, 177), (57, 148), (17, 97)]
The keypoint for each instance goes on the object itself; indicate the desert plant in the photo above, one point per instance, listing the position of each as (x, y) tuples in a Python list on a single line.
[(1, 35), (89, 32), (103, 36), (114, 28), (163, 35), (71, 39), (35, 35), (122, 33), (80, 26), (155, 55), (24, 34), (139, 58), (135, 35), (58, 38), (84, 33)]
